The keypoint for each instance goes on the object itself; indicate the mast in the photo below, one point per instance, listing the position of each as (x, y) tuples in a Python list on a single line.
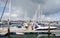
[(3, 10), (25, 16), (9, 20), (39, 12), (35, 16)]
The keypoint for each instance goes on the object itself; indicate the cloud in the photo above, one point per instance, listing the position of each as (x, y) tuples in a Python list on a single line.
[(5, 16), (47, 8), (51, 7)]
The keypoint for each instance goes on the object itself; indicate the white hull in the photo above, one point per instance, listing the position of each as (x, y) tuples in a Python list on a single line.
[(40, 27), (12, 28), (46, 28)]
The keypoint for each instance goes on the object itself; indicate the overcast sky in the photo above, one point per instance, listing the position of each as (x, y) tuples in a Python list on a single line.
[(31, 9)]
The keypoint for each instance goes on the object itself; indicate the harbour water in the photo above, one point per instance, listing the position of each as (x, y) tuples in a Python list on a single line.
[(30, 36)]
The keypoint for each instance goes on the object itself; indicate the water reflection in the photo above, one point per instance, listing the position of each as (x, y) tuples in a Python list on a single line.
[(32, 36)]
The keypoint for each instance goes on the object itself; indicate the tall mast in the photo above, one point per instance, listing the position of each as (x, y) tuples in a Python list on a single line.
[(38, 12), (3, 10), (9, 9), (25, 16), (9, 20)]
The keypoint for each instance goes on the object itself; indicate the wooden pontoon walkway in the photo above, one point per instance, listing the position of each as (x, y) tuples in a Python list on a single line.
[(38, 31), (31, 31)]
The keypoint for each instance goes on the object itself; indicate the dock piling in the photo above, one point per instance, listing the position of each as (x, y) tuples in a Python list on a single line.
[(8, 29), (49, 30)]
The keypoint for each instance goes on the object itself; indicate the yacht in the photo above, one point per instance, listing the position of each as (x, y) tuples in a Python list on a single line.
[(18, 28), (43, 27), (13, 28)]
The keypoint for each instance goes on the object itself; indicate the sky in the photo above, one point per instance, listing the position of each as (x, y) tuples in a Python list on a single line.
[(31, 9)]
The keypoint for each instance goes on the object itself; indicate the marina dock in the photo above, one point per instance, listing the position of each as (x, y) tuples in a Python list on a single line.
[(36, 31), (30, 31)]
